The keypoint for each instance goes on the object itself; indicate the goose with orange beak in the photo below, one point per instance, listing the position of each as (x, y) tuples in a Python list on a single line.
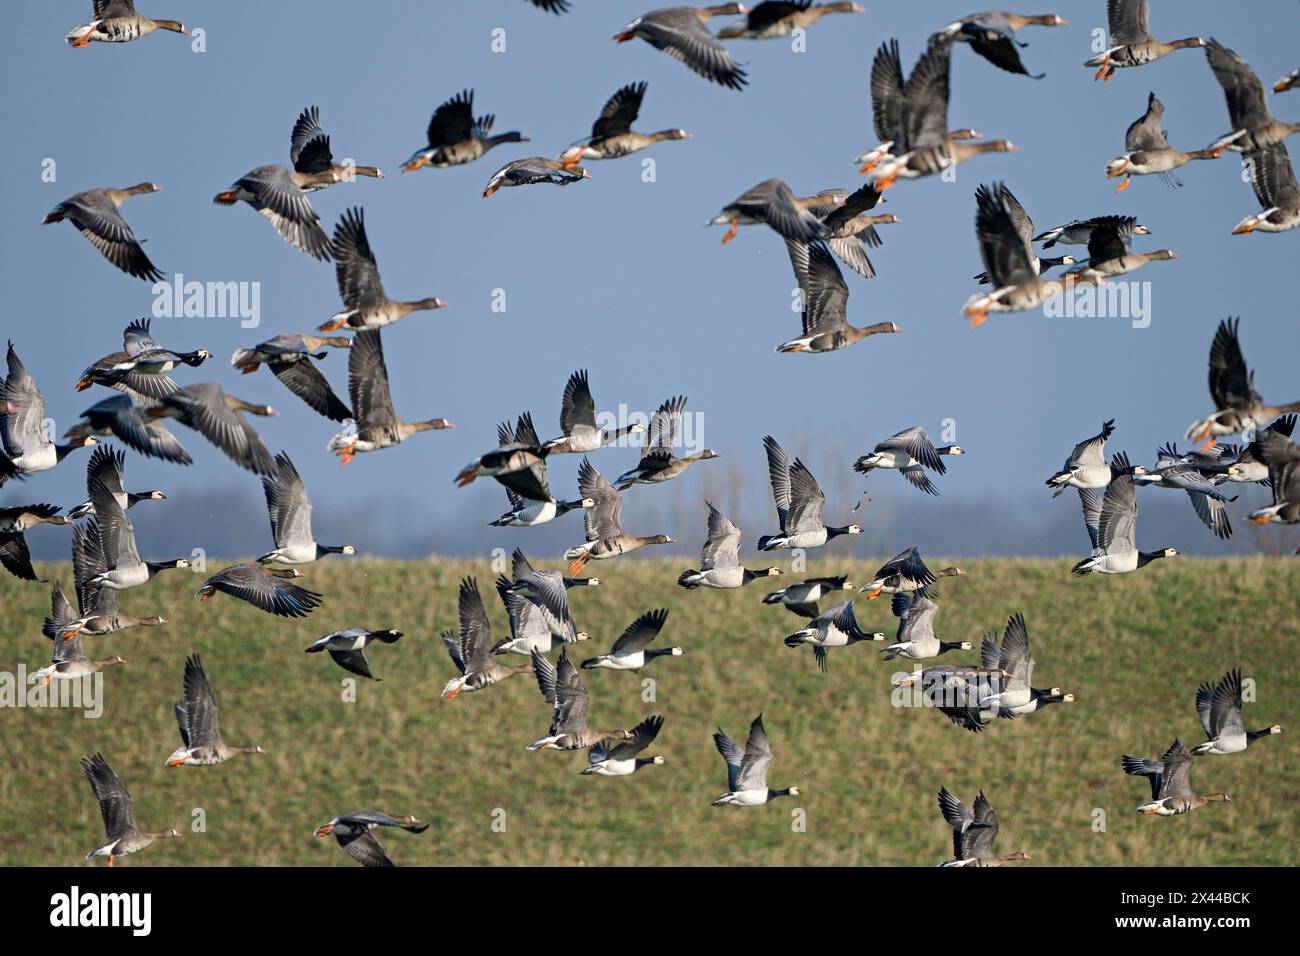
[(456, 137), (353, 831), (904, 573)]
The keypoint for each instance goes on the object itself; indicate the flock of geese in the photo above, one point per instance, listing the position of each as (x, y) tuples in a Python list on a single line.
[(144, 403)]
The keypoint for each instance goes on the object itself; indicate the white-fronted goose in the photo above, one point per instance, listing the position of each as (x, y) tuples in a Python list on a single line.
[(309, 151), (352, 831), (534, 170), (1131, 43), (916, 639), (1171, 782), (1010, 264), (562, 687), (125, 569), (1116, 550), (621, 760), (347, 648), (1219, 706), (289, 357), (747, 769), (973, 834), (1147, 151), (280, 195), (799, 503), (720, 559), (115, 21), (95, 214), (1273, 179), (68, 659), (107, 464), (196, 716), (1077, 232), (124, 418), (659, 462), (904, 572), (1288, 82), (612, 136), (780, 18), (551, 6), (290, 511), (268, 589), (683, 33), (825, 299), (1171, 471), (472, 652), (1109, 254), (993, 36), (802, 598), (632, 651), (377, 424), (365, 305), (14, 525), (518, 451), (27, 449), (909, 452), (455, 137), (1238, 406), (912, 117), (218, 417), (835, 627), (1025, 228), (605, 535), (1282, 456), (115, 806), (1253, 126), (851, 229), (97, 606), (580, 433), (141, 368), (773, 203)]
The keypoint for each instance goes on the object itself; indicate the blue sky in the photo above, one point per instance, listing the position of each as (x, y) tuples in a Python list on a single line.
[(620, 276)]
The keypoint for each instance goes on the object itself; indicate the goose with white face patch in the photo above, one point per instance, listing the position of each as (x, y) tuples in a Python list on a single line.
[(1219, 706), (720, 559), (909, 452), (837, 627), (621, 760), (631, 651), (747, 769)]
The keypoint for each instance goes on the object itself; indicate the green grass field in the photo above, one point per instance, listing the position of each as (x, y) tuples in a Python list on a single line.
[(1132, 649)]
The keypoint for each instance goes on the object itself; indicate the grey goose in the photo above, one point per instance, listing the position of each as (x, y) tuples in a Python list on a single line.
[(1171, 782), (974, 833), (354, 833), (196, 716), (118, 811), (472, 650)]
